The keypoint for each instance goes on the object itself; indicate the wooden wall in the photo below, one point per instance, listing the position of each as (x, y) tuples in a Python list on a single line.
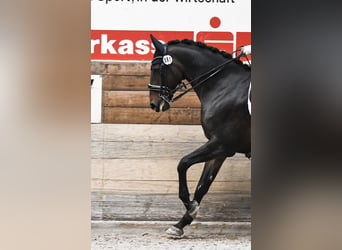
[(134, 174), (126, 97)]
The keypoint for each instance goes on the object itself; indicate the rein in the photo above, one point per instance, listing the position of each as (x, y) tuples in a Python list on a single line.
[(165, 61), (209, 74)]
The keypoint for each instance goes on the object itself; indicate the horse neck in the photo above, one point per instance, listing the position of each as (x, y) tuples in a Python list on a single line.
[(195, 62), (204, 61)]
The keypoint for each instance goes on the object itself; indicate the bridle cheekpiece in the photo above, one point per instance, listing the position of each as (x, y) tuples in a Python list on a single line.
[(165, 92)]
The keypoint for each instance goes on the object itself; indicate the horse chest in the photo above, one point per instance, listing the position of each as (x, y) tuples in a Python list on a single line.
[(210, 121)]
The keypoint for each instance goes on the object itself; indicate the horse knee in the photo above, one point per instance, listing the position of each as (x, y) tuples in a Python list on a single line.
[(183, 165)]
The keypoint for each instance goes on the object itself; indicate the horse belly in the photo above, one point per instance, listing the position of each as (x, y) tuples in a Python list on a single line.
[(234, 132)]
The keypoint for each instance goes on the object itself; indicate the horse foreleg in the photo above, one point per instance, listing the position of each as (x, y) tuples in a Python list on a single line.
[(209, 173), (205, 153), (177, 229)]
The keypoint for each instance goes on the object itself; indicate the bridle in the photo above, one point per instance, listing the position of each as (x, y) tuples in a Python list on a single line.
[(165, 92)]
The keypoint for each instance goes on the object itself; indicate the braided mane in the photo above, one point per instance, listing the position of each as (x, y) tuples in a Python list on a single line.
[(205, 46)]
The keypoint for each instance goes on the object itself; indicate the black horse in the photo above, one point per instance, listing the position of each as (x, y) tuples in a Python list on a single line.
[(221, 82)]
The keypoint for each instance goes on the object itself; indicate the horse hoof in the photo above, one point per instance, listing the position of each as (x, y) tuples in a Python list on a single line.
[(194, 209), (175, 231)]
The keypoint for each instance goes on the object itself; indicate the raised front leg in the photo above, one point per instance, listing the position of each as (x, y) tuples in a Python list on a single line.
[(209, 173), (212, 153), (207, 152)]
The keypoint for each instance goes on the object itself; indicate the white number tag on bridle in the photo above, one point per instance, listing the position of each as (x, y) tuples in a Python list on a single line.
[(167, 59)]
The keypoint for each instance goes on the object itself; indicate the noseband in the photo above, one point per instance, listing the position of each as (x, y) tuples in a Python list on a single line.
[(165, 92)]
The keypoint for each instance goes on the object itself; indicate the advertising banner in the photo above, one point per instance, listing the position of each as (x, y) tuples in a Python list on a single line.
[(120, 29)]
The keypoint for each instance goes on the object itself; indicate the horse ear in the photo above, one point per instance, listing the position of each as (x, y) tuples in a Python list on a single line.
[(157, 44)]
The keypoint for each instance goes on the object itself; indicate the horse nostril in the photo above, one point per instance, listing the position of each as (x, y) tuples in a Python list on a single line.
[(153, 106)]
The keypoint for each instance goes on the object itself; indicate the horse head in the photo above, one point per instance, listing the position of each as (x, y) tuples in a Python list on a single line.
[(166, 75)]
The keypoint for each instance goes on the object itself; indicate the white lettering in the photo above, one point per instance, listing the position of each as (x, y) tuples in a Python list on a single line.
[(107, 45), (93, 44), (126, 48), (142, 47)]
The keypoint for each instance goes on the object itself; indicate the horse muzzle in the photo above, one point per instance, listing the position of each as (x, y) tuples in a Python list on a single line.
[(159, 105)]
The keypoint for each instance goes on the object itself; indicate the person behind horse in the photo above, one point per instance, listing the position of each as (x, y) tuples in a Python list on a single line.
[(246, 50)]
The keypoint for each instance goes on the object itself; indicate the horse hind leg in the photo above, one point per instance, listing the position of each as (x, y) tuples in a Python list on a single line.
[(210, 170)]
